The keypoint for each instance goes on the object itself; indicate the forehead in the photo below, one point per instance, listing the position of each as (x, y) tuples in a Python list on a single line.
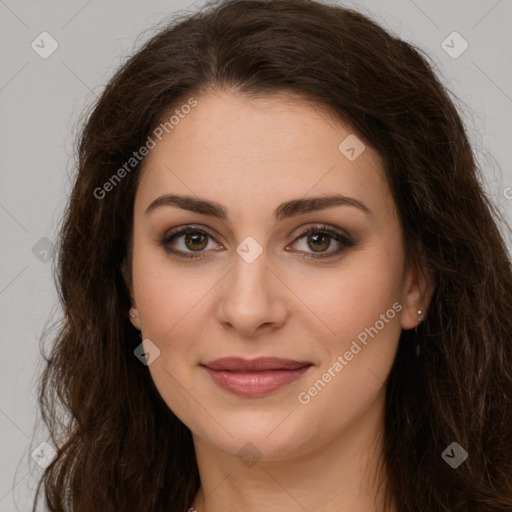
[(260, 151)]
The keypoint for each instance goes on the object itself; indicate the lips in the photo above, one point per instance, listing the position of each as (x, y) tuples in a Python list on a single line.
[(254, 377), (238, 364)]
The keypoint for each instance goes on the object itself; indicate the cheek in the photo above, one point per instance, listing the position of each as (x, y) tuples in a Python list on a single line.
[(353, 297), (165, 292), (363, 310), (173, 305), (359, 306), (169, 304)]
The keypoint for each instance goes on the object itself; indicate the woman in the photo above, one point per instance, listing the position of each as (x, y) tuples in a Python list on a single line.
[(283, 285)]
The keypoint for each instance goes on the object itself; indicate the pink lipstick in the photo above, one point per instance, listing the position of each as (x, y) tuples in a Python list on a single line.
[(254, 377)]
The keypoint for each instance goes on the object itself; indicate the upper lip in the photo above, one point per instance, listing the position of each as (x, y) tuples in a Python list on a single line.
[(254, 365)]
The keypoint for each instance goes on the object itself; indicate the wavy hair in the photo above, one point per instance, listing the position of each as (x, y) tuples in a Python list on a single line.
[(120, 447)]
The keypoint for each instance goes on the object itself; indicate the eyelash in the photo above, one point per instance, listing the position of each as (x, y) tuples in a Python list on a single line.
[(325, 230)]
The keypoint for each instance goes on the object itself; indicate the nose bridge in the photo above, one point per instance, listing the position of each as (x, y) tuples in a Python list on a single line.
[(249, 280), (249, 275), (249, 298)]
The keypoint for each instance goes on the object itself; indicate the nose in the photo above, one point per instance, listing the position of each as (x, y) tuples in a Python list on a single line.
[(252, 299)]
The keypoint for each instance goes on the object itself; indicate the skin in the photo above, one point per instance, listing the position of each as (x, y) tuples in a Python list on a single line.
[(250, 156)]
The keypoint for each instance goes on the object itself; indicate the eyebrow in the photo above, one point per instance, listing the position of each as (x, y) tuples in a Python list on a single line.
[(285, 210)]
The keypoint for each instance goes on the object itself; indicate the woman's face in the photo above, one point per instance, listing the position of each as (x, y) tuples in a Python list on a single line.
[(249, 284)]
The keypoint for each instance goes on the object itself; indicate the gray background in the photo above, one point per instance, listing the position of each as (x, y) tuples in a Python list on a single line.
[(41, 101)]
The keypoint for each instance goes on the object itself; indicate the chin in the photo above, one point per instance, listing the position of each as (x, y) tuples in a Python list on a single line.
[(270, 439)]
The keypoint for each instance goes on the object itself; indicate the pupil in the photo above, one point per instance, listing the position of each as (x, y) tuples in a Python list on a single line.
[(315, 237), (193, 237)]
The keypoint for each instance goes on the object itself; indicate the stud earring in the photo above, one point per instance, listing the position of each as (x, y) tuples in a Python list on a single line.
[(420, 320), (418, 344)]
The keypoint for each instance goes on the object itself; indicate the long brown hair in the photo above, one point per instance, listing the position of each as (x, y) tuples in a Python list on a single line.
[(121, 448)]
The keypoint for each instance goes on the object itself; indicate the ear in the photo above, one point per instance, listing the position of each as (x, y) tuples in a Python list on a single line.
[(127, 278), (417, 294)]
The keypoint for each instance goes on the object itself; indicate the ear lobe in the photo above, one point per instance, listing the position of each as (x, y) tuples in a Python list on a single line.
[(134, 318), (126, 274), (127, 278), (418, 291)]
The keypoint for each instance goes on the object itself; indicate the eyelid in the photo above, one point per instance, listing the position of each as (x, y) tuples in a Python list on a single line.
[(334, 233), (321, 227)]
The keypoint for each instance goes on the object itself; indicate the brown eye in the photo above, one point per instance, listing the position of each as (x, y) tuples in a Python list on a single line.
[(196, 241), (319, 242), (315, 242), (186, 241)]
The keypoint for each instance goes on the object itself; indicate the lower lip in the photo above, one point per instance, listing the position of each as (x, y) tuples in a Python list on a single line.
[(255, 383)]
